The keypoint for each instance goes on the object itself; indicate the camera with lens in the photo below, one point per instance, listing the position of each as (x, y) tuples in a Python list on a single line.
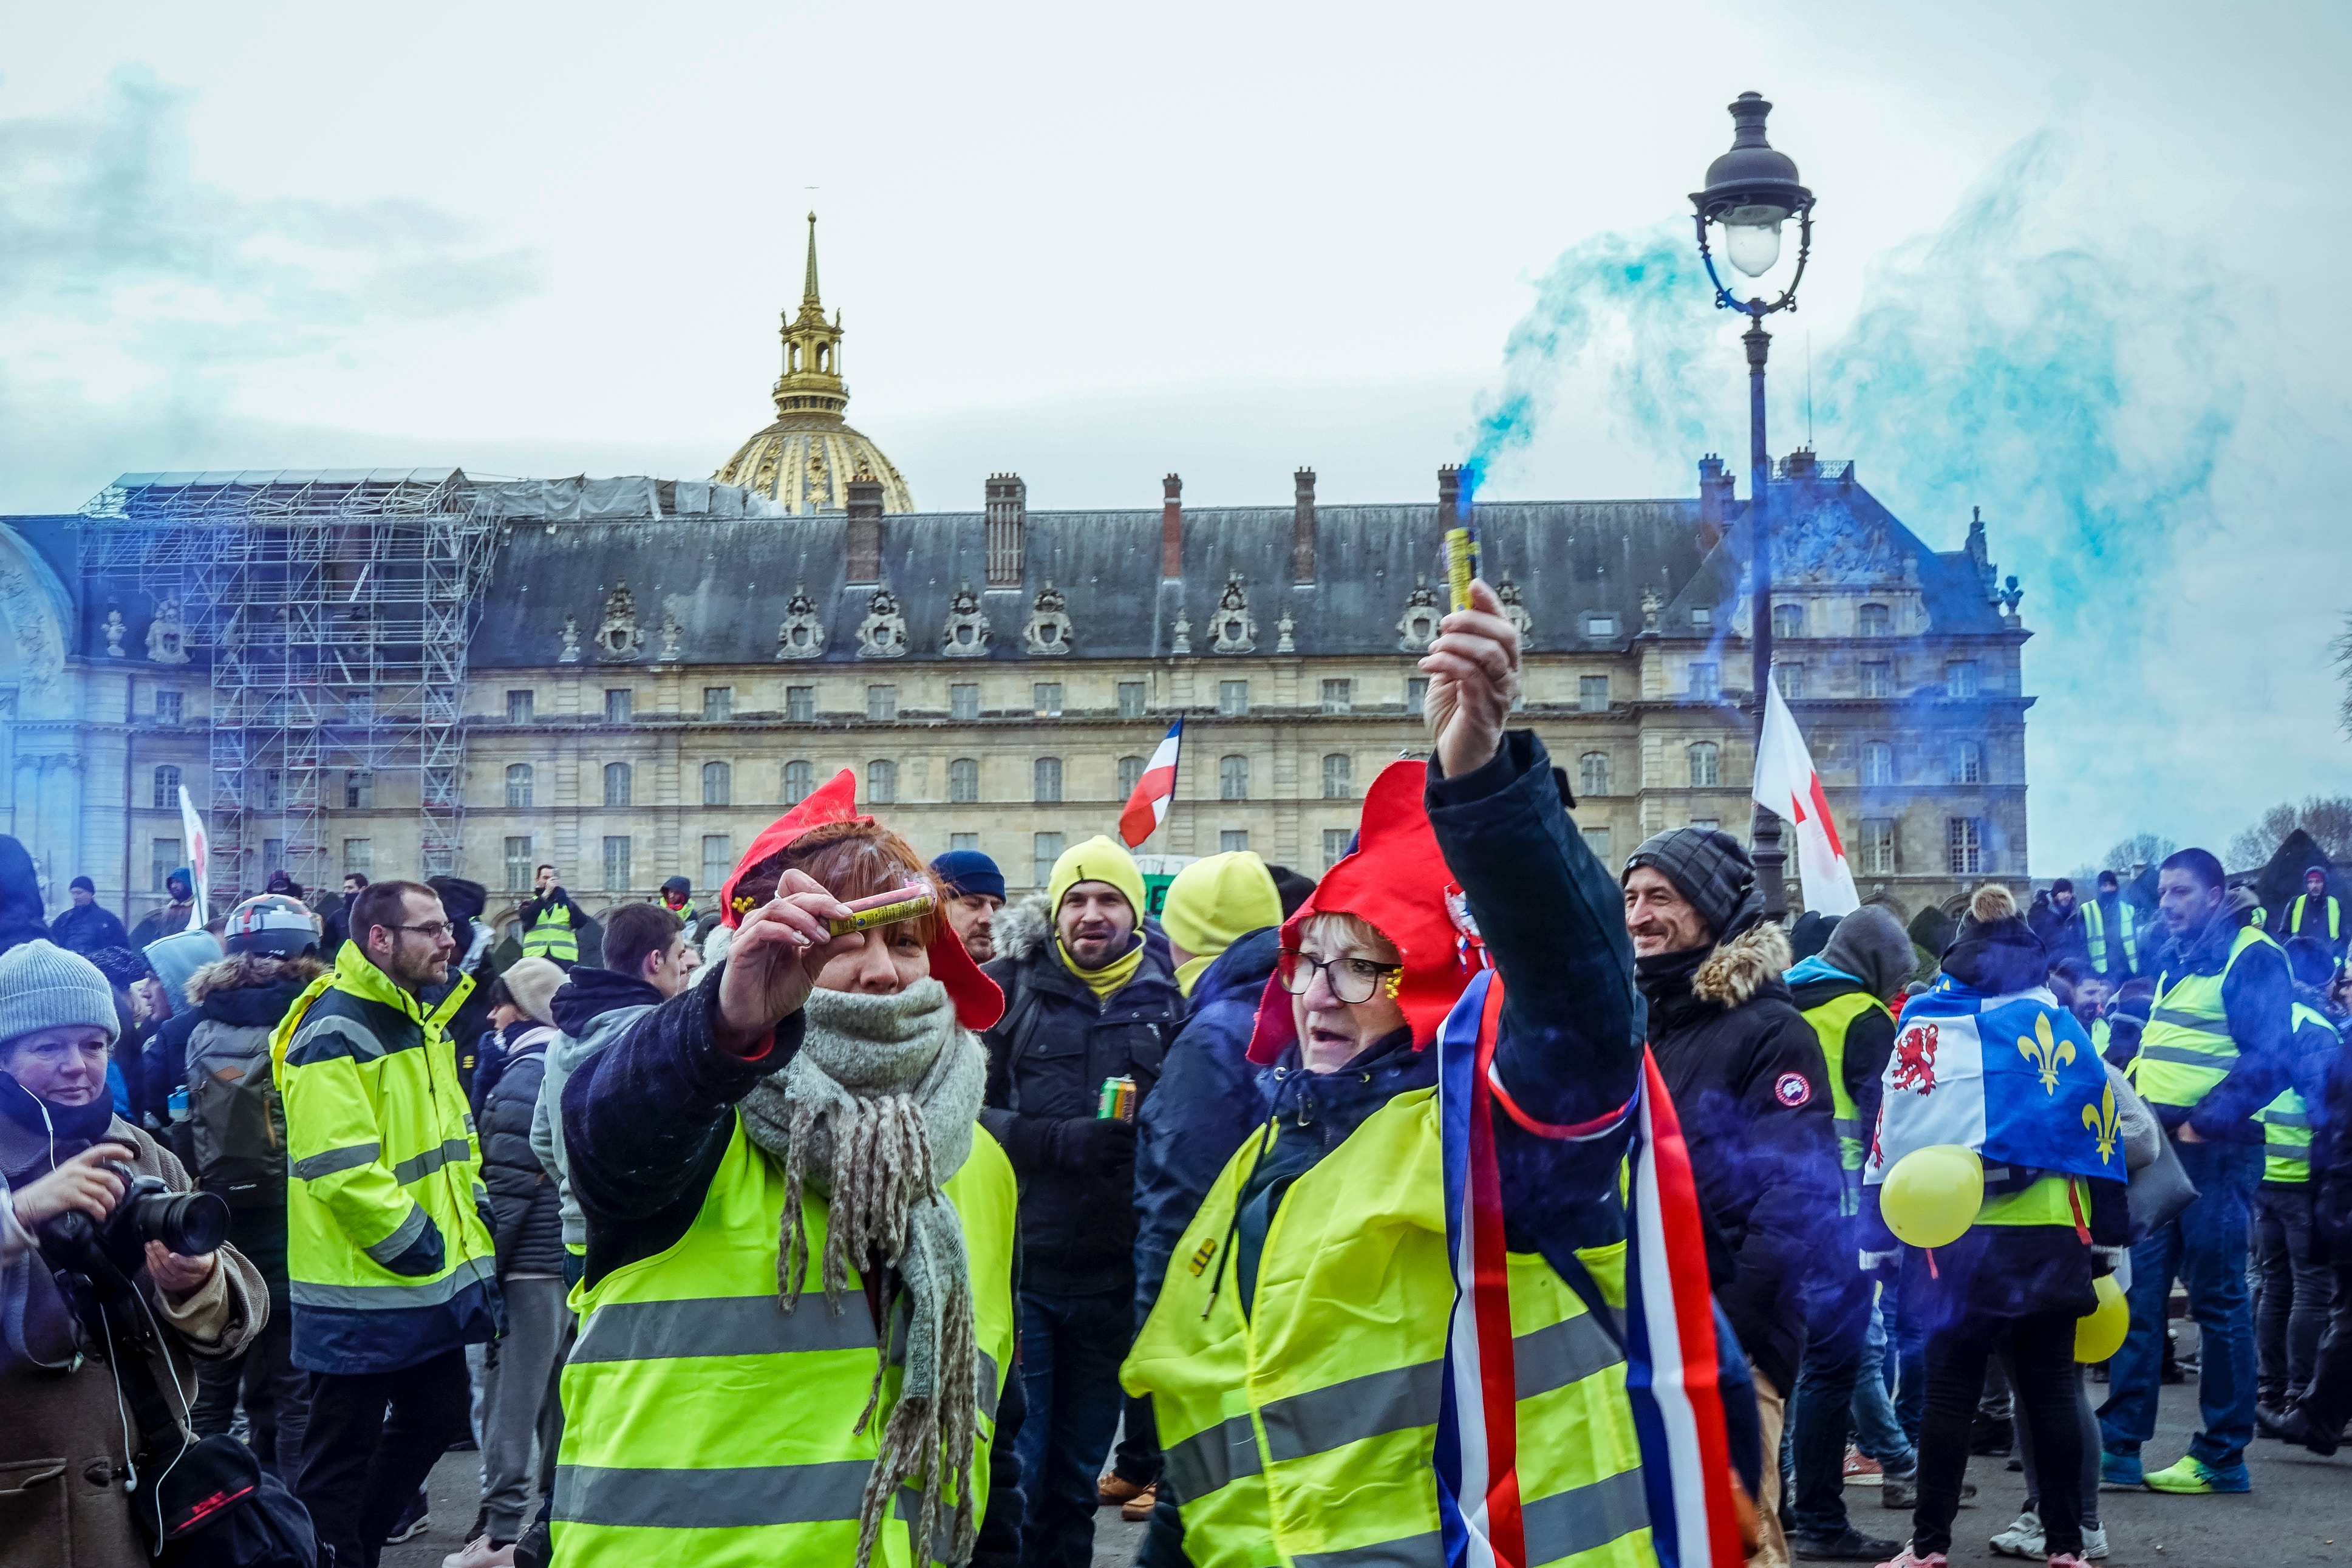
[(190, 1224)]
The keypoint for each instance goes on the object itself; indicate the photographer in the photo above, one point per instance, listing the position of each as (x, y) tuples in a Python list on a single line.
[(65, 1434)]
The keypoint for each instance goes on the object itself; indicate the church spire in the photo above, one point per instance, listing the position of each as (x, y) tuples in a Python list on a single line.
[(812, 384), (809, 301)]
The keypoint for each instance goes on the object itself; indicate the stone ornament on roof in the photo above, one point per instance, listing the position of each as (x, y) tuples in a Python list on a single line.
[(1515, 610), (965, 636), (670, 632), (1183, 633), (1417, 627), (883, 633), (618, 636), (802, 636), (1283, 630), (1233, 629), (571, 654), (1050, 631), (115, 630), (167, 635)]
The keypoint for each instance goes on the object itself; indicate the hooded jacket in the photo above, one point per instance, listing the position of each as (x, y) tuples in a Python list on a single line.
[(173, 917), (593, 1008), (20, 897), (525, 1207)]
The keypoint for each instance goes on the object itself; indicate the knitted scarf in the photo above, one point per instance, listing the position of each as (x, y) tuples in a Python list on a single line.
[(873, 1114)]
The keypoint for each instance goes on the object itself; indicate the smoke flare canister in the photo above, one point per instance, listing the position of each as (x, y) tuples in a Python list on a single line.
[(1116, 1101), (908, 903), (1461, 565)]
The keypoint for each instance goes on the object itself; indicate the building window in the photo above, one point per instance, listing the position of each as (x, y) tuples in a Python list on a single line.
[(273, 789), (518, 866), (167, 706), (1339, 696), (1335, 846), (1705, 765), (1965, 764), (359, 855), (167, 788), (1596, 840), (1788, 620), (1416, 695), (964, 841), (1877, 763), (1046, 698), (518, 780), (718, 704), (1592, 693), (1877, 680), (1233, 698), (881, 703), (718, 783), (1964, 841), (1045, 776), (1233, 778), (1130, 773), (616, 784), (1600, 626), (166, 859), (1045, 849), (718, 861), (1876, 848), (1960, 678), (1131, 698), (1791, 679), (1233, 841), (1873, 621), (963, 699), (1706, 681), (800, 705), (1339, 776), (1702, 616), (882, 782), (799, 779), (620, 705), (1594, 768), (520, 706), (616, 863), (963, 781)]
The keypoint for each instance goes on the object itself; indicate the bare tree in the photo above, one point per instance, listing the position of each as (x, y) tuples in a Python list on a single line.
[(2327, 818), (2341, 649)]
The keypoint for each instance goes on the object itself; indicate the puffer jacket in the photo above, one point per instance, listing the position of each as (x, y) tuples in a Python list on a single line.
[(1748, 1080), (526, 1208)]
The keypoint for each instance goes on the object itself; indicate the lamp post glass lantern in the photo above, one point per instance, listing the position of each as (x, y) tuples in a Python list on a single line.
[(1751, 191)]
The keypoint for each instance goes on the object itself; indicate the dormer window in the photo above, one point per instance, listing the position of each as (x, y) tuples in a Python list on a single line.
[(1600, 626)]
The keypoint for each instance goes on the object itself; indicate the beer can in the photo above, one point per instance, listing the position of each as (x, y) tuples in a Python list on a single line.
[(1116, 1101)]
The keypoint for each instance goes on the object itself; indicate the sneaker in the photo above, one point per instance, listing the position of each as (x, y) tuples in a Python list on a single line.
[(2295, 1426), (1862, 1470), (1137, 1508), (479, 1553), (534, 1550), (2187, 1477), (2270, 1419), (1905, 1559), (1852, 1547), (414, 1520), (2120, 1472), (2094, 1544), (2023, 1538), (1115, 1490)]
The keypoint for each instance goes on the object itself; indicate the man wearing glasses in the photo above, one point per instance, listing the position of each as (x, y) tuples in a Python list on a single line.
[(390, 1256)]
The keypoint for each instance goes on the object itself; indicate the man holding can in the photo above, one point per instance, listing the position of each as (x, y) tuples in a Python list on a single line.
[(1089, 997)]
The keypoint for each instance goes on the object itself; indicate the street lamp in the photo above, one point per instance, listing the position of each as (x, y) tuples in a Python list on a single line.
[(1750, 192)]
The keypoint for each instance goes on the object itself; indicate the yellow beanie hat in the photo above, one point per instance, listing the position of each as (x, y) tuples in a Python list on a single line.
[(1214, 903), (1098, 859)]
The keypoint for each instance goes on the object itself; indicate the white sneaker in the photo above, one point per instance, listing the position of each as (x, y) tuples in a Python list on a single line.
[(2023, 1538), (2095, 1544), (480, 1553)]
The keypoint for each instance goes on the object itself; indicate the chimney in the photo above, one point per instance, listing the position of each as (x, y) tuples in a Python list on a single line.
[(1713, 500), (1008, 517), (1449, 498), (1802, 464), (1171, 526), (865, 527), (1302, 527)]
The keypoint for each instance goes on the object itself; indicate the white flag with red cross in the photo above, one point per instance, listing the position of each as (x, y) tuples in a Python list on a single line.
[(1787, 784)]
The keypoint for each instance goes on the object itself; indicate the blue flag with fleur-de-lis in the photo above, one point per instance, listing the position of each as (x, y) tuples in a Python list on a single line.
[(2013, 1077)]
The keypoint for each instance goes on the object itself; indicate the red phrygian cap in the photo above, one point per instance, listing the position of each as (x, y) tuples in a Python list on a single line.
[(1397, 881), (978, 1001)]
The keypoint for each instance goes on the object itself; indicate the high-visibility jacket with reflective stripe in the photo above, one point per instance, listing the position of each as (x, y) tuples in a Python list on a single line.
[(380, 1143), (551, 935), (1830, 1021), (2095, 932), (2335, 916), (2286, 1120), (1303, 1432), (2186, 1048), (705, 1427)]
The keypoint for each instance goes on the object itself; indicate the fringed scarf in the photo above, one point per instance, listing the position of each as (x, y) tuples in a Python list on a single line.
[(873, 1114)]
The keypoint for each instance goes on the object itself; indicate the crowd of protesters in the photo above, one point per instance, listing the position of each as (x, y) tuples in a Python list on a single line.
[(729, 1236)]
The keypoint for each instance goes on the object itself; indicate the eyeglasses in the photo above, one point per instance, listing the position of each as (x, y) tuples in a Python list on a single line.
[(1352, 980), (431, 930)]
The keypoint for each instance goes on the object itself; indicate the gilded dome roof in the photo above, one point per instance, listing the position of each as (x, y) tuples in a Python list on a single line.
[(808, 457)]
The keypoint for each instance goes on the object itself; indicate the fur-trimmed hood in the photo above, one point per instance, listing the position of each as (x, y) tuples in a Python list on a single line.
[(251, 972), (1738, 969), (1024, 929)]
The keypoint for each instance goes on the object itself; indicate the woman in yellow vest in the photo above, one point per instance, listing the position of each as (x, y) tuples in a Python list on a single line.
[(796, 1320), (1295, 1354)]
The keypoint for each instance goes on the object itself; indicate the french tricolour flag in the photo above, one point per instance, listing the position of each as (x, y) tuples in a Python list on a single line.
[(1148, 806)]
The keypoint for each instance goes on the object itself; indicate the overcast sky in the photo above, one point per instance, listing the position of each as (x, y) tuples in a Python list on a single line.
[(1229, 240)]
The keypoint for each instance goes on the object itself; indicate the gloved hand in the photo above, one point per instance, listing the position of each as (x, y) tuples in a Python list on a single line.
[(423, 1256), (1090, 1143)]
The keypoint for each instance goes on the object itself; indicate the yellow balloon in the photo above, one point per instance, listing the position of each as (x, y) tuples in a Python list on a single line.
[(1931, 1197), (2100, 1334)]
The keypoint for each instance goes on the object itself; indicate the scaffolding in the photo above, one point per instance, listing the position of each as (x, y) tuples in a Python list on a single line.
[(333, 610)]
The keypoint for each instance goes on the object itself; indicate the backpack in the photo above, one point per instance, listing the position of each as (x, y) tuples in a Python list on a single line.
[(233, 1112)]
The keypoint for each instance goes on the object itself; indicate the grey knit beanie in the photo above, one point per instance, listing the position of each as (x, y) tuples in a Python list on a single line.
[(43, 986), (1871, 945), (1708, 868)]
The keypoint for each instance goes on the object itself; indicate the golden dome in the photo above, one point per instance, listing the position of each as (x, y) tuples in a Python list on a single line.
[(808, 457)]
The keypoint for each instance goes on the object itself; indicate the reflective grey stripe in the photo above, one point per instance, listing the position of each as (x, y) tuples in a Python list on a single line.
[(721, 1325), (391, 1297), (1847, 1126), (432, 1160), (2217, 1059), (1322, 1419), (1569, 1351), (2283, 1118), (1213, 1457), (1559, 1526), (988, 1386), (2300, 1153), (2198, 1023), (326, 1163), (738, 1499), (1412, 1552), (402, 1236)]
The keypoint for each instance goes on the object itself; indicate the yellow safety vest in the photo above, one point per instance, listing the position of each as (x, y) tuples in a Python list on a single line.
[(705, 1427), (551, 935), (2286, 1120), (1830, 1021), (2186, 1048), (2095, 932), (1304, 1432), (2335, 916)]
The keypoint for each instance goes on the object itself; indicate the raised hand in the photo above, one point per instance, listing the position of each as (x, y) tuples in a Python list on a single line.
[(1473, 678), (774, 960)]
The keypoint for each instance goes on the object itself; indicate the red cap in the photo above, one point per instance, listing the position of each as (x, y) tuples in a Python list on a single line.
[(979, 1002), (1397, 882)]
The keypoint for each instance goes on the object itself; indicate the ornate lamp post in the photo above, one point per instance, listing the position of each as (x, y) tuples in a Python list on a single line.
[(1750, 192)]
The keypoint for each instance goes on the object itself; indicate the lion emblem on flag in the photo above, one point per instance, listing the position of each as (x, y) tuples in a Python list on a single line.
[(1914, 1058)]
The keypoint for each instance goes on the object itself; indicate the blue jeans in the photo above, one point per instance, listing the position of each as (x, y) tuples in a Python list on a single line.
[(1877, 1431), (1905, 1308), (2206, 1248), (1071, 1347)]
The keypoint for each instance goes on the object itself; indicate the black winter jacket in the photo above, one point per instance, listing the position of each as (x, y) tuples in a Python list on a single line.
[(86, 927), (526, 1213), (1047, 1057), (1748, 1081)]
